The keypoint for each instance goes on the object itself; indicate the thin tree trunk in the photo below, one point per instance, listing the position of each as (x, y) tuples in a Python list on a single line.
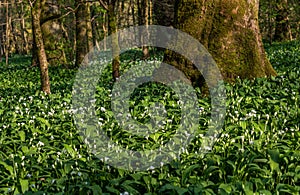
[(25, 47), (40, 50), (145, 21), (1, 34), (7, 33), (105, 33), (112, 29), (270, 23), (133, 12), (89, 29)]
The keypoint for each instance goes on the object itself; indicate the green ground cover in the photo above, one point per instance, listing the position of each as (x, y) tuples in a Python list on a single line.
[(257, 151)]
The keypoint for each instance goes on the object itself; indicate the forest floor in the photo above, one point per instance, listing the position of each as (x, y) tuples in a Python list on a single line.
[(258, 149)]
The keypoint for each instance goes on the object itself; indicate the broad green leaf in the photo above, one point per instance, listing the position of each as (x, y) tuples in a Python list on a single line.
[(24, 185)]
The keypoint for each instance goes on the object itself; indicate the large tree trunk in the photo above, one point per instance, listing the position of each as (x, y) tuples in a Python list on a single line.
[(39, 44), (229, 30)]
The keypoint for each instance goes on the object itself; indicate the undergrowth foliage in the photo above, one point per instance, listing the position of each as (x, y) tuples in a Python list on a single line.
[(257, 151)]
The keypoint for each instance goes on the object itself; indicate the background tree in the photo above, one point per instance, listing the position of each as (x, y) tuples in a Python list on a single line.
[(7, 30), (143, 19), (279, 20), (1, 31), (53, 34), (83, 31), (112, 29), (39, 49), (163, 12), (282, 23), (22, 14)]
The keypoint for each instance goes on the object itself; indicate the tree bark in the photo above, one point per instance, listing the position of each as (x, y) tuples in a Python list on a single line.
[(143, 6), (84, 40), (1, 34), (7, 32), (282, 25), (112, 29), (229, 30), (25, 46), (39, 44), (54, 42), (163, 12), (145, 21)]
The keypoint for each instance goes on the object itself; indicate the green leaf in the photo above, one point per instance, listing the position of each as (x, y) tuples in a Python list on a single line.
[(70, 150), (265, 192), (24, 185), (9, 168), (187, 172), (274, 160), (225, 188), (22, 135), (96, 189)]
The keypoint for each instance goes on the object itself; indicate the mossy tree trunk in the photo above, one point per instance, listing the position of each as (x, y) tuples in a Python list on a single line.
[(55, 45), (229, 30), (84, 40), (39, 49)]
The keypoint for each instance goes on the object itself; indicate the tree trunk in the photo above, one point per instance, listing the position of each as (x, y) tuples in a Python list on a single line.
[(54, 42), (7, 33), (39, 44), (1, 33), (143, 20), (230, 32), (163, 12), (282, 29), (25, 46), (112, 29), (84, 38)]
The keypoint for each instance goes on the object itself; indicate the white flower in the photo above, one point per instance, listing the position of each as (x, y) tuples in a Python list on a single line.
[(102, 109), (93, 101), (40, 143), (207, 148)]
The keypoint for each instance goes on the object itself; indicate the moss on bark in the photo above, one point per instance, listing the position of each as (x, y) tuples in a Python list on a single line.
[(230, 32)]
